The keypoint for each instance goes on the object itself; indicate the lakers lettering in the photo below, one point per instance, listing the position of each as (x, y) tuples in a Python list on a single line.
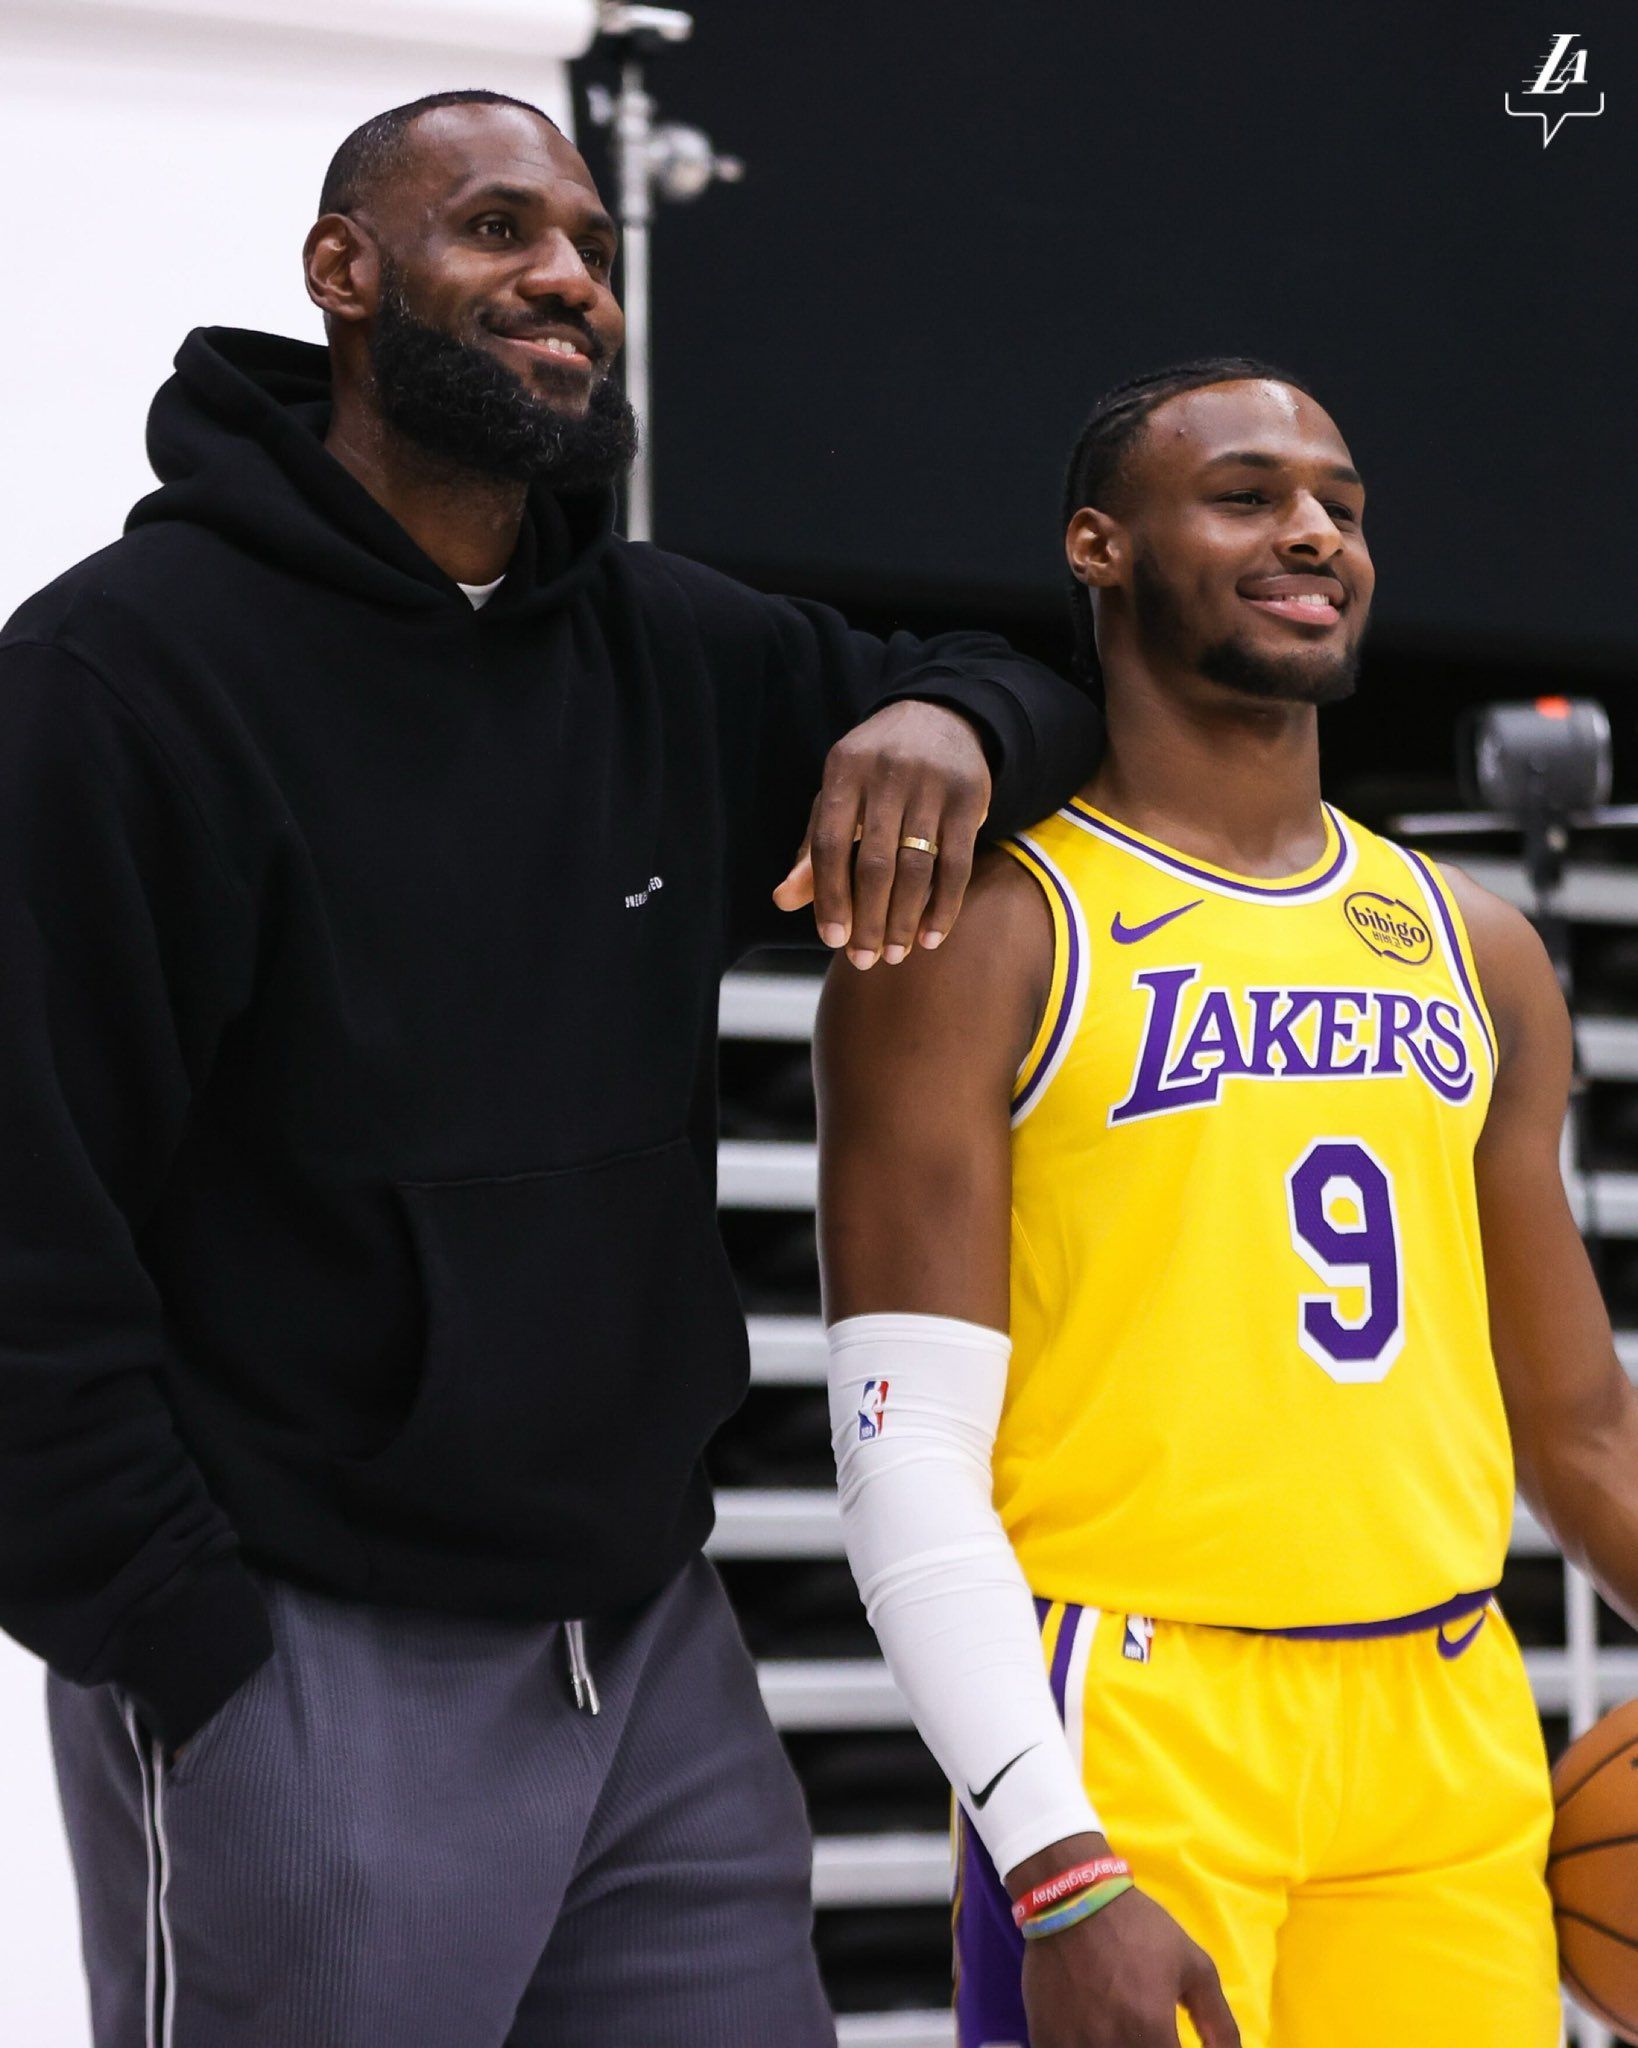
[(1197, 1037)]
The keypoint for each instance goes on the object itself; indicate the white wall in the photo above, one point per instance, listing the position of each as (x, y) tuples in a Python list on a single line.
[(159, 167)]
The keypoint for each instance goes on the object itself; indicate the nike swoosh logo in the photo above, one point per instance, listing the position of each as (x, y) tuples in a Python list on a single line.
[(980, 1799), (1129, 934), (1453, 1646)]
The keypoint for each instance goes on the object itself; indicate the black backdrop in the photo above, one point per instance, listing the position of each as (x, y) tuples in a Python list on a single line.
[(960, 224)]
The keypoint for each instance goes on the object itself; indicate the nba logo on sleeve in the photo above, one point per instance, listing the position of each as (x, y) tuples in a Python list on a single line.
[(1139, 1638), (873, 1410)]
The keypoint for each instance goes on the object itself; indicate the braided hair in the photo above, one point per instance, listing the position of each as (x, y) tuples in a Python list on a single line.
[(1104, 442)]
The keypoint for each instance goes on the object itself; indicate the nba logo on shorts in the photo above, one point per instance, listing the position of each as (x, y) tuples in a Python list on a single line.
[(1139, 1637), (873, 1410)]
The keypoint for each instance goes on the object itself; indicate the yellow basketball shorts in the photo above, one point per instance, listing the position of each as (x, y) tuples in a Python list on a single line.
[(1354, 1830)]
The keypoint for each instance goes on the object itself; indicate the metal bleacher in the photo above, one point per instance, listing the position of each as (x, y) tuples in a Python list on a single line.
[(882, 1864)]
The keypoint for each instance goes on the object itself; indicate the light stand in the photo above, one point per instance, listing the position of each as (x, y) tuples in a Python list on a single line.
[(650, 158), (1541, 770)]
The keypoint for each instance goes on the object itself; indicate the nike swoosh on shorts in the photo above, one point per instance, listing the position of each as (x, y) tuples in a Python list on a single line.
[(1129, 934), (1453, 1646)]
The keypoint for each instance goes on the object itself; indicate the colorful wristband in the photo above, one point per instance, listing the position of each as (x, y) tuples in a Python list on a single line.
[(1074, 1910), (1079, 1877)]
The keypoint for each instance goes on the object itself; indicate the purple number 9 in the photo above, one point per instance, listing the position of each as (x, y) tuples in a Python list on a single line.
[(1344, 1224)]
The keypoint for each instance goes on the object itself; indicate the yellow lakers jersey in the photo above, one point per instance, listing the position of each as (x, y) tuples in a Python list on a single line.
[(1251, 1380)]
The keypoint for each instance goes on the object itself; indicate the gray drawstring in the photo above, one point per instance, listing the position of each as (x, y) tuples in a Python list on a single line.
[(581, 1682)]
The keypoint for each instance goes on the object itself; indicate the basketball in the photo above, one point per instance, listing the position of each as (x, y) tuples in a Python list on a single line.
[(1592, 1868)]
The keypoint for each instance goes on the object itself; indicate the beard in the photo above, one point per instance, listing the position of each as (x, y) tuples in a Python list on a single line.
[(1307, 675), (464, 407)]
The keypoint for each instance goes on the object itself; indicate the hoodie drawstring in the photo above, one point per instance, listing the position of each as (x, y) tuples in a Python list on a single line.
[(581, 1682)]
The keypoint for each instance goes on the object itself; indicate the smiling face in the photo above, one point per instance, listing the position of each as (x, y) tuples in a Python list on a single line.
[(479, 319), (497, 236), (1233, 550)]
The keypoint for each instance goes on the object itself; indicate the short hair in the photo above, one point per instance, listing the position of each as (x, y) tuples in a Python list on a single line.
[(376, 147), (1097, 462)]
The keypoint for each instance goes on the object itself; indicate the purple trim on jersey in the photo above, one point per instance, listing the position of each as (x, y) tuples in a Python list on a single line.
[(1072, 976), (989, 1952), (1062, 1650), (1257, 891), (1400, 1625), (1437, 896)]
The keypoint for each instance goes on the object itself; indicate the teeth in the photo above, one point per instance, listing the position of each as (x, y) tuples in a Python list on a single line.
[(561, 348)]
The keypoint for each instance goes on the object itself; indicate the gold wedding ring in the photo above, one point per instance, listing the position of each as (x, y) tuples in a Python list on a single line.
[(915, 845)]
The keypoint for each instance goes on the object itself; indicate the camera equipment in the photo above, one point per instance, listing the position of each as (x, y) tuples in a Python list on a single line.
[(1541, 767)]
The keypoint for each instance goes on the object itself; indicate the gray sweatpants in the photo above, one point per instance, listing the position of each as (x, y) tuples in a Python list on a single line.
[(401, 1834)]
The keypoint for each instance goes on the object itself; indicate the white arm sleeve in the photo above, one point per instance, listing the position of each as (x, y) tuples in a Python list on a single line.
[(914, 1404)]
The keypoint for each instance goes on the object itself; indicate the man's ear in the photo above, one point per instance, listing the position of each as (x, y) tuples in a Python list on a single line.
[(342, 263), (1099, 549)]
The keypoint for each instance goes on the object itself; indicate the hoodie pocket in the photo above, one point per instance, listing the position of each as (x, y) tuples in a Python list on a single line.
[(583, 1339)]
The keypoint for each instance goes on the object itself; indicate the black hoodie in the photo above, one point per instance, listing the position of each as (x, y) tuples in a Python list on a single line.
[(357, 1038)]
